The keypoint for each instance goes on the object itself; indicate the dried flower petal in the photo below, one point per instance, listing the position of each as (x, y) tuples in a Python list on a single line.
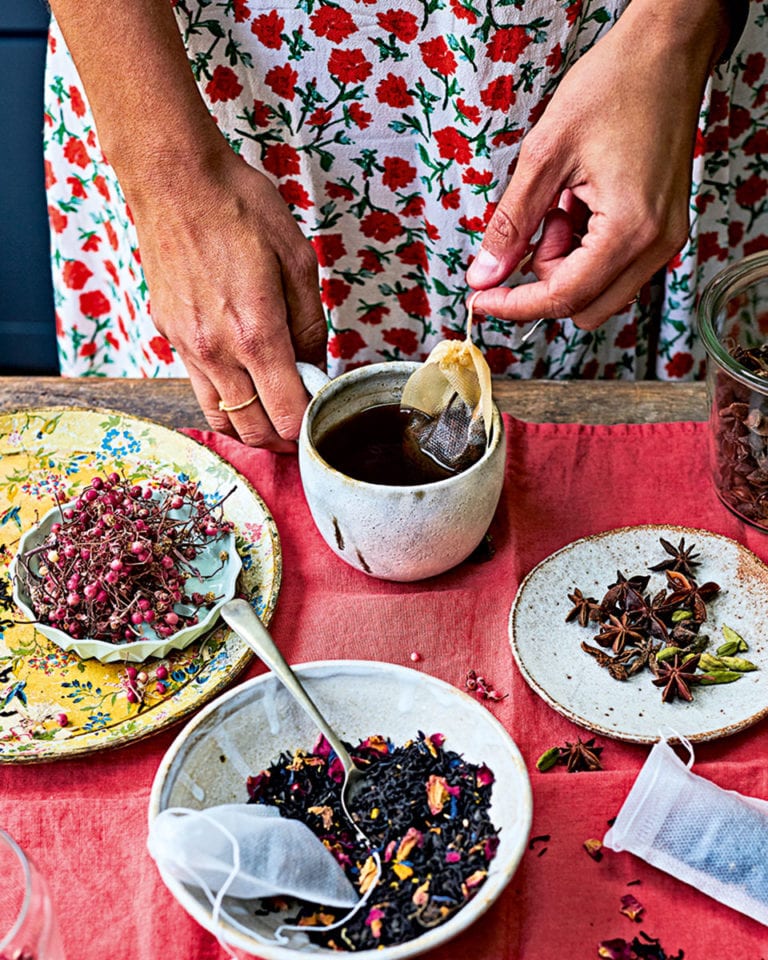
[(617, 949), (631, 907), (594, 848)]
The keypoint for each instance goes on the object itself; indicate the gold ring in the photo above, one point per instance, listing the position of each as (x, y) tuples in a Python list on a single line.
[(237, 406)]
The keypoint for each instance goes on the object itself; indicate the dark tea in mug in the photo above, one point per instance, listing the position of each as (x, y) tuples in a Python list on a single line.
[(375, 446)]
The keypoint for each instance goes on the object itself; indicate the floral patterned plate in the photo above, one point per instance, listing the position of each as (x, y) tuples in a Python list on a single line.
[(549, 655), (55, 704)]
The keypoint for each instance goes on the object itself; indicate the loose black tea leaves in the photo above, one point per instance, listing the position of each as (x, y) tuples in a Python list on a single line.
[(659, 630), (424, 809)]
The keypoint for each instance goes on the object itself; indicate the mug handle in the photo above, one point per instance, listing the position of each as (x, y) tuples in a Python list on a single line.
[(312, 377)]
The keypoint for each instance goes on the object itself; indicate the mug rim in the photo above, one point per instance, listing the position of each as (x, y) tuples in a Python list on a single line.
[(402, 366)]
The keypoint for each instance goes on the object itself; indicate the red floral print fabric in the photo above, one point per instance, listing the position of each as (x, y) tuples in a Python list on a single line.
[(390, 130)]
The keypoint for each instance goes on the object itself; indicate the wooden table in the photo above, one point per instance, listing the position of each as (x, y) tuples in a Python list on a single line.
[(172, 402)]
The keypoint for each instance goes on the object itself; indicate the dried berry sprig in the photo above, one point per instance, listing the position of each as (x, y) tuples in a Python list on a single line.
[(481, 687), (120, 557)]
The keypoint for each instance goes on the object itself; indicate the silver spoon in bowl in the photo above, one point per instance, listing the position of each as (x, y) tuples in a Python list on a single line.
[(241, 616)]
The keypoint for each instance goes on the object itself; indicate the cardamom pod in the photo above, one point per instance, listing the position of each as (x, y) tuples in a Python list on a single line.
[(548, 759), (738, 663), (720, 676), (679, 615), (666, 653), (730, 635), (728, 649), (708, 662)]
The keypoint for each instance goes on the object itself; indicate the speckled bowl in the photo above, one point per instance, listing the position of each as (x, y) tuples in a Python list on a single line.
[(246, 729), (218, 577)]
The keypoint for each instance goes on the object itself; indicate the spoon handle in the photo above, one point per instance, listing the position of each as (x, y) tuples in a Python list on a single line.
[(241, 616)]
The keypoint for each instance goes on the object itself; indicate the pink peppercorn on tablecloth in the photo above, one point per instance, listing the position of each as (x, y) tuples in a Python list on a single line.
[(84, 821)]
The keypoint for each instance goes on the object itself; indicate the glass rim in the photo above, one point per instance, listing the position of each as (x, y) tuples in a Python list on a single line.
[(725, 285), (6, 838)]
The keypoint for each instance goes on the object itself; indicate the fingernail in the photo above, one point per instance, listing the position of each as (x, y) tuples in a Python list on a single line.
[(483, 268)]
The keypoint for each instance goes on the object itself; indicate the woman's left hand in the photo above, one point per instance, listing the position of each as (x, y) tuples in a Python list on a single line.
[(606, 172)]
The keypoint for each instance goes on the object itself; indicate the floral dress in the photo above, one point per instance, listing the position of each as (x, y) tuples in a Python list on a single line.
[(390, 130)]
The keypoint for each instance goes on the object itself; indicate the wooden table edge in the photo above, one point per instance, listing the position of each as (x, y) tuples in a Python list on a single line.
[(171, 402)]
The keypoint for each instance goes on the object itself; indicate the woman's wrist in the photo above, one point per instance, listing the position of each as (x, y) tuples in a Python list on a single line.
[(699, 31)]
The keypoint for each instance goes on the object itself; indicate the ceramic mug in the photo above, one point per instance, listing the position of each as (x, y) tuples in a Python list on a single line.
[(392, 532)]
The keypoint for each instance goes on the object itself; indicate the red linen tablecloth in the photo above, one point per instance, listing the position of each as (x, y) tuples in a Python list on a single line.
[(84, 821)]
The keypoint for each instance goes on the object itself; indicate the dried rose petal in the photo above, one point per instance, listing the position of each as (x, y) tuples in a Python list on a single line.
[(437, 793), (631, 907), (594, 848), (484, 776), (617, 949)]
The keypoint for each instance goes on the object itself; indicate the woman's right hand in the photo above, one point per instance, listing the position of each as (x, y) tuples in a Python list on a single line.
[(234, 287), (233, 282)]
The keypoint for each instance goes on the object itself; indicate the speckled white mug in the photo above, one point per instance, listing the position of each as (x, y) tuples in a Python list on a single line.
[(390, 532)]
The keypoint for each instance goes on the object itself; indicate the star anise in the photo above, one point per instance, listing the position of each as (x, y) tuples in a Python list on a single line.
[(647, 614), (617, 632), (615, 598), (687, 593), (584, 608), (681, 558), (642, 655), (581, 756), (677, 678)]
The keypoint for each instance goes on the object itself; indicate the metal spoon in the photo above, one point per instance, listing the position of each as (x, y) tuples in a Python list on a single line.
[(241, 617)]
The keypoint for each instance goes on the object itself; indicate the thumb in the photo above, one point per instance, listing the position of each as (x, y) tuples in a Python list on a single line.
[(533, 189)]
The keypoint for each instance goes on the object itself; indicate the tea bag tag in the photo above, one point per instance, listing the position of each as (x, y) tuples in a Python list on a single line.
[(450, 405)]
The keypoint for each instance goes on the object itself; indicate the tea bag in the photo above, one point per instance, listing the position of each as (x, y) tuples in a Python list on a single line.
[(711, 838), (241, 852), (450, 406)]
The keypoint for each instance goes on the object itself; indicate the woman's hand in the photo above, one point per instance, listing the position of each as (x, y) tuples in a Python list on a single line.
[(234, 287), (606, 172), (233, 282)]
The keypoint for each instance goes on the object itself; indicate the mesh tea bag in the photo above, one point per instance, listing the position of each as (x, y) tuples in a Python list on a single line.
[(450, 406), (236, 854), (711, 838)]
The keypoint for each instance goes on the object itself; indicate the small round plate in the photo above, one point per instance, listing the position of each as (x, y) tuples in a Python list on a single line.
[(548, 650)]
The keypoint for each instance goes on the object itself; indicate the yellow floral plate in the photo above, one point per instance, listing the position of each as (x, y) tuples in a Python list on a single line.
[(55, 704)]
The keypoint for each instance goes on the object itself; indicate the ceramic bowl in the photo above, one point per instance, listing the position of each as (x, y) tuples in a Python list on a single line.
[(219, 578), (246, 729)]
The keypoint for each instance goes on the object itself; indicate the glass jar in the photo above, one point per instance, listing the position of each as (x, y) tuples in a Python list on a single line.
[(28, 926), (733, 323)]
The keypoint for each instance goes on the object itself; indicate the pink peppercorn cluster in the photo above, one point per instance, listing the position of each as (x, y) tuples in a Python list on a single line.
[(136, 682), (120, 557), (481, 687)]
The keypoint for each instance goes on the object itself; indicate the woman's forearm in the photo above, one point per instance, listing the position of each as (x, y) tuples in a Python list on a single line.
[(151, 120), (699, 30)]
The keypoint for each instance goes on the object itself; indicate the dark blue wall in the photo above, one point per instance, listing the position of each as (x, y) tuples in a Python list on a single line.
[(27, 338)]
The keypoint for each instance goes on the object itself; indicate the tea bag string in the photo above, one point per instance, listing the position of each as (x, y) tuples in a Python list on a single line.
[(293, 928), (666, 731), (471, 307), (217, 900)]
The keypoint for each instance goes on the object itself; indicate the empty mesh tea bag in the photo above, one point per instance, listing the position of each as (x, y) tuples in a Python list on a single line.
[(711, 838), (449, 405)]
